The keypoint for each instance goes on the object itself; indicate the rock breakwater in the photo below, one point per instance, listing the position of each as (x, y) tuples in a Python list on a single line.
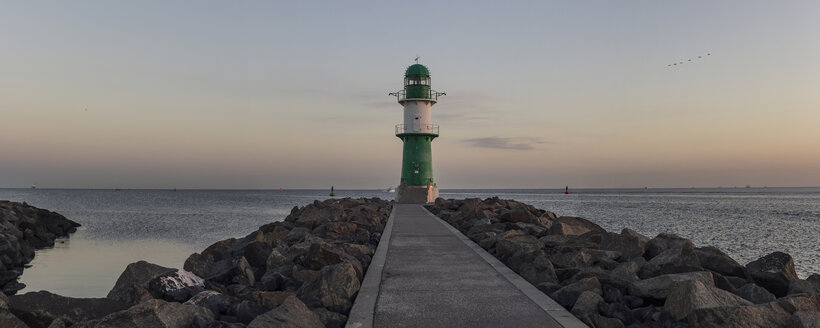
[(23, 229), (304, 271), (626, 279)]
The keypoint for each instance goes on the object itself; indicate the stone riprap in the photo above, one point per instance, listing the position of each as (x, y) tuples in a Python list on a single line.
[(23, 229), (625, 279), (304, 271)]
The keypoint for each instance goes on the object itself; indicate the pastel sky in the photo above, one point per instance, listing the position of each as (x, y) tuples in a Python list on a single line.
[(293, 94)]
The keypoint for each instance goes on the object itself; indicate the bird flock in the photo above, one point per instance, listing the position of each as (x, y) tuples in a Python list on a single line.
[(688, 61)]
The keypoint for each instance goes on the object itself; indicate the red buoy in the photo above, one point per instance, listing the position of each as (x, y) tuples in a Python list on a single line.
[(566, 191)]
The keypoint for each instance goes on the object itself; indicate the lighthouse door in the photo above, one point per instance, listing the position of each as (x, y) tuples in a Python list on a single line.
[(416, 125)]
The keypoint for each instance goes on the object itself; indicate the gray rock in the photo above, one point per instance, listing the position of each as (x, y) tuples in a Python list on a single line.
[(663, 242), (800, 286), (567, 295), (626, 245), (573, 226), (39, 309), (755, 294), (132, 285), (805, 319), (291, 314), (329, 318), (152, 314), (752, 316), (334, 288), (675, 260), (9, 320), (175, 285), (716, 260), (586, 304), (794, 303), (583, 258), (659, 287), (688, 296), (773, 272)]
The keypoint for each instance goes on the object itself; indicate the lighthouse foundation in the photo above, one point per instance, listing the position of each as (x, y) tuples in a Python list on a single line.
[(416, 194)]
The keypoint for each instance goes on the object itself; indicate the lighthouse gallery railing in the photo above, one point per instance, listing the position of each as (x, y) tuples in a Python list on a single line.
[(423, 128), (431, 94)]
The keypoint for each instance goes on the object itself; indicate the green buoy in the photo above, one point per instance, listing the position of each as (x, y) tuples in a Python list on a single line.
[(331, 192)]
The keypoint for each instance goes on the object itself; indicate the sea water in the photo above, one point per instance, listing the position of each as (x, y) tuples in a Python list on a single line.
[(166, 226)]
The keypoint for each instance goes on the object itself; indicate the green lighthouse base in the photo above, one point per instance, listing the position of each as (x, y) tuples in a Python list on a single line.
[(416, 194)]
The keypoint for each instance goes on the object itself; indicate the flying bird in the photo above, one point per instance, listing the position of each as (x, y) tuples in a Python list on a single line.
[(688, 60)]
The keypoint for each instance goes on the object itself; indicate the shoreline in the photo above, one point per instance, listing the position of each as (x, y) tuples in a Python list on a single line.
[(583, 267)]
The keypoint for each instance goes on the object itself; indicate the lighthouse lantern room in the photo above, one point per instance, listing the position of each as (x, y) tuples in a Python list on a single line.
[(417, 133)]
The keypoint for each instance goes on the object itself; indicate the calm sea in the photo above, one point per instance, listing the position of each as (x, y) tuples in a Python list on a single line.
[(165, 226)]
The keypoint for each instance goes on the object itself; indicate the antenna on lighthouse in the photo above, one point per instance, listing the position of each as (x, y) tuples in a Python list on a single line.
[(417, 59)]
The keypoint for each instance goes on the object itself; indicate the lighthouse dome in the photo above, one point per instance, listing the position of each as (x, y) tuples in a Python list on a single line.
[(417, 70)]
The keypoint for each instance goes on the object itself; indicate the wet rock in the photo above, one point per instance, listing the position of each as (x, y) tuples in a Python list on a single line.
[(132, 285), (573, 226), (688, 296), (291, 314), (755, 294), (663, 242), (567, 295), (23, 229), (773, 272), (659, 287), (716, 260), (334, 288)]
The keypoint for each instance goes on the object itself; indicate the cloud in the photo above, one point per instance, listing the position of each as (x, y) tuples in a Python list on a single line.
[(518, 143)]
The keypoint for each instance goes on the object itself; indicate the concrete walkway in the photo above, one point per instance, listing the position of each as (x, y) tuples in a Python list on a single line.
[(427, 274)]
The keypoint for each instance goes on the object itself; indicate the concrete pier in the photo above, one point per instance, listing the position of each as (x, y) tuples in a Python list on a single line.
[(427, 274)]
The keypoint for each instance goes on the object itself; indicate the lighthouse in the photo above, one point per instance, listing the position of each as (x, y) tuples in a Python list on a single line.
[(417, 134)]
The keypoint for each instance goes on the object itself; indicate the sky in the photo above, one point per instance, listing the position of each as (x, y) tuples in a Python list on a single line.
[(293, 94)]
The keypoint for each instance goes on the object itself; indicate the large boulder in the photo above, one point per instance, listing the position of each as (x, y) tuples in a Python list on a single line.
[(334, 288), (659, 287), (567, 295), (663, 242), (716, 260), (291, 314), (153, 314), (573, 226), (132, 285), (755, 294), (773, 272), (688, 296), (39, 309), (176, 286), (673, 260), (805, 319), (800, 286), (750, 316), (627, 245)]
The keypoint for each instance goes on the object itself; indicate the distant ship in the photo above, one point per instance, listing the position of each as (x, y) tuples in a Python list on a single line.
[(33, 186)]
